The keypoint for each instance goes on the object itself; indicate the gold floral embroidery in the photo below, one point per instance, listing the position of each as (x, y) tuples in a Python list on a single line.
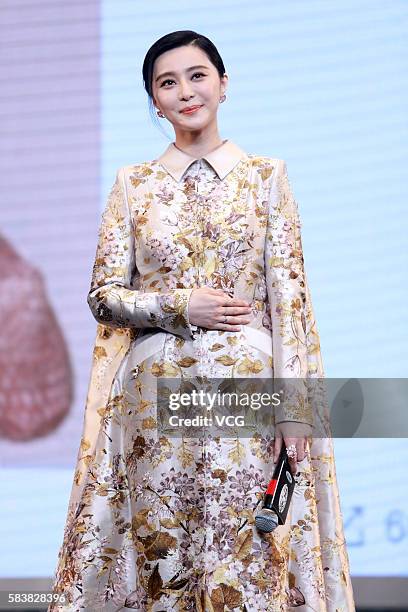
[(164, 523)]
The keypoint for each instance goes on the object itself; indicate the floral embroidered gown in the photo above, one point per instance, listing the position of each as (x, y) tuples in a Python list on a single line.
[(163, 523)]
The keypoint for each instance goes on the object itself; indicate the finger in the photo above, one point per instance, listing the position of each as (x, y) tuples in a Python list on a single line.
[(300, 452), (308, 445), (234, 310), (232, 324), (277, 447), (230, 301), (227, 327), (215, 291), (235, 320), (293, 465), (236, 302), (293, 460)]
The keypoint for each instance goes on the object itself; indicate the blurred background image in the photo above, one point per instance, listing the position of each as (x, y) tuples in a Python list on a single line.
[(322, 85)]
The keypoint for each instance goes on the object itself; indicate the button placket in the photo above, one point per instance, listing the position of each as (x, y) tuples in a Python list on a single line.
[(200, 220), (201, 212), (199, 228)]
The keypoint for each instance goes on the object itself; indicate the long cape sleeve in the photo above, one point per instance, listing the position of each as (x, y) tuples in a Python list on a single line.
[(120, 311), (111, 297), (296, 345)]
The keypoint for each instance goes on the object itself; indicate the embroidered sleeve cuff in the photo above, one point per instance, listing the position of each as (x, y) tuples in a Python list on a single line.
[(174, 312)]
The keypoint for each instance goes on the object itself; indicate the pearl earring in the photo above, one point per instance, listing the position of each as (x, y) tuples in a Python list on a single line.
[(160, 114)]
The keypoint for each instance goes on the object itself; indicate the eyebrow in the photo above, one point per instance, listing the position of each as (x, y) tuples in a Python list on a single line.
[(172, 73)]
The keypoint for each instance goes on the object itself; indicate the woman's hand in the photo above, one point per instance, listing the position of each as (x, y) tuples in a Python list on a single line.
[(207, 308), (289, 432)]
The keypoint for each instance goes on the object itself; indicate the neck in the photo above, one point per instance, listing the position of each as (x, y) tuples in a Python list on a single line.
[(198, 144)]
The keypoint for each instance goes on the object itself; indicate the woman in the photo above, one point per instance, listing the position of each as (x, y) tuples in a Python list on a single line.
[(199, 273)]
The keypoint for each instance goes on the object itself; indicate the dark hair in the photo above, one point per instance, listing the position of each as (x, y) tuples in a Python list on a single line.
[(171, 41)]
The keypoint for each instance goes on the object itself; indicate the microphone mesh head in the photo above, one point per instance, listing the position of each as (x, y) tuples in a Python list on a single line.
[(266, 520)]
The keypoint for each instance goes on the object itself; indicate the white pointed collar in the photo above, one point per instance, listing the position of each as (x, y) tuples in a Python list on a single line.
[(223, 159)]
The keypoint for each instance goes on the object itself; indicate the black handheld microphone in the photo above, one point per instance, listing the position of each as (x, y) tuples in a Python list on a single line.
[(277, 497)]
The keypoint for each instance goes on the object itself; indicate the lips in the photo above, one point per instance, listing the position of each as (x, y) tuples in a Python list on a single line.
[(191, 109)]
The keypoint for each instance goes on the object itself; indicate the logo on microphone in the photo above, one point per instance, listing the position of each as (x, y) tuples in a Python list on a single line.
[(283, 497)]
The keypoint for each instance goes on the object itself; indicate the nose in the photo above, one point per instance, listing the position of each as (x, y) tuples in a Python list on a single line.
[(185, 91)]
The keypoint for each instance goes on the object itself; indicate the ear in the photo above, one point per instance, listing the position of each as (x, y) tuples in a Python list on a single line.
[(154, 97), (224, 83)]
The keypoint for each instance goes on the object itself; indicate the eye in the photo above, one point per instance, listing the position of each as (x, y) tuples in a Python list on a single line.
[(166, 81), (199, 74)]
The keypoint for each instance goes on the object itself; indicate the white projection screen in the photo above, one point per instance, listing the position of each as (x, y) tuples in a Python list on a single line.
[(323, 85)]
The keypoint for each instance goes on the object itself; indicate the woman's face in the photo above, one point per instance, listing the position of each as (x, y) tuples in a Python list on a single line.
[(185, 77)]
